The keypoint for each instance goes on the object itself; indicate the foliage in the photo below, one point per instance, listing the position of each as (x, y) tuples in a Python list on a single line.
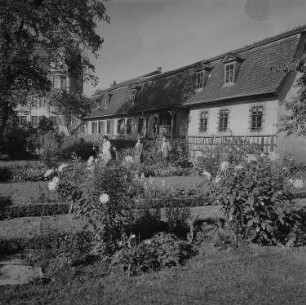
[(35, 33), (161, 251), (293, 122), (71, 105), (257, 202), (6, 174), (5, 201), (78, 146), (50, 148), (27, 172)]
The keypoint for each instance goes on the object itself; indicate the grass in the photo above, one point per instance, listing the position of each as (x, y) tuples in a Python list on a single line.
[(24, 193), (246, 275)]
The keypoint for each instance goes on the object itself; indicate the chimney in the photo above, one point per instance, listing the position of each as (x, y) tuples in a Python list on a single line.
[(114, 83), (159, 69)]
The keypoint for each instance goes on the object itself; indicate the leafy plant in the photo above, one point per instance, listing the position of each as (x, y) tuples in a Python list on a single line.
[(161, 251), (257, 202)]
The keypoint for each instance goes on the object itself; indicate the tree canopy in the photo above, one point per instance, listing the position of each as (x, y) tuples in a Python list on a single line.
[(37, 33)]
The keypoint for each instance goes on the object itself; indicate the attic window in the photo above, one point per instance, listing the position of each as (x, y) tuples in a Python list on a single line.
[(108, 99), (229, 73), (199, 79), (133, 95)]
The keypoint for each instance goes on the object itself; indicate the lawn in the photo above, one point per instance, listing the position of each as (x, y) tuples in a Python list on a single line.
[(246, 275)]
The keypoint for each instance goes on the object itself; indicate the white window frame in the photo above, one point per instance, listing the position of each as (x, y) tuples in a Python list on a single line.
[(200, 79), (229, 75)]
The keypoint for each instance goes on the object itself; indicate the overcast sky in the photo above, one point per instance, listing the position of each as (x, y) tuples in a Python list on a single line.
[(145, 34)]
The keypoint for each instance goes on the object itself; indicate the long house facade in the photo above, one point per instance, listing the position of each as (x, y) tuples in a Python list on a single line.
[(236, 94)]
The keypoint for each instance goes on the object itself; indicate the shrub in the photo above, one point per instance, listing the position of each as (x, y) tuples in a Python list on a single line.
[(162, 250), (6, 174), (257, 202), (77, 146), (27, 172), (5, 201)]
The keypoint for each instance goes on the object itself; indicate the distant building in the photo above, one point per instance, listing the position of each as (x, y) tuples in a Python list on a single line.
[(238, 93), (39, 107)]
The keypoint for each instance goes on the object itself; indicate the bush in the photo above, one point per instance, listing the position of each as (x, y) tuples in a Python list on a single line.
[(5, 201), (257, 202), (27, 172), (161, 251), (6, 174), (77, 146)]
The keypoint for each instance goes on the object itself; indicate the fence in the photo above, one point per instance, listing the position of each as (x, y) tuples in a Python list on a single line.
[(264, 143)]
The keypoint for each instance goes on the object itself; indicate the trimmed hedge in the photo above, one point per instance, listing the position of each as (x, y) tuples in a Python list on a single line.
[(34, 210)]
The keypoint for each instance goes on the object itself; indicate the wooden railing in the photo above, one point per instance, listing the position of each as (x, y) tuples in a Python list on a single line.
[(265, 143)]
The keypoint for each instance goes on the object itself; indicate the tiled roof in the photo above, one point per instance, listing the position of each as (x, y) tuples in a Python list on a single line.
[(157, 91), (257, 75), (176, 88)]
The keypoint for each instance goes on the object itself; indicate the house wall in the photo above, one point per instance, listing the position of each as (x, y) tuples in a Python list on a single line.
[(239, 118)]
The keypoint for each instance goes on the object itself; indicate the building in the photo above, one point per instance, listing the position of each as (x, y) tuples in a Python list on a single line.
[(239, 93), (38, 107), (145, 106)]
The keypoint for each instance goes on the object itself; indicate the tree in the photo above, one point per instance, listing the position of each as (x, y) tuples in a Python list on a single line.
[(71, 105), (36, 33), (294, 122)]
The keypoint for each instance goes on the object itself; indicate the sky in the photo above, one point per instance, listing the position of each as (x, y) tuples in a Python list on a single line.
[(145, 34)]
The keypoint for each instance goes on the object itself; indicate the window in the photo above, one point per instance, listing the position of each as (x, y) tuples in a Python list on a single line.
[(34, 121), (203, 121), (128, 125), (108, 126), (199, 80), (22, 120), (120, 126), (140, 125), (223, 120), (256, 118), (63, 83), (133, 95), (56, 82), (94, 128), (229, 74), (100, 127)]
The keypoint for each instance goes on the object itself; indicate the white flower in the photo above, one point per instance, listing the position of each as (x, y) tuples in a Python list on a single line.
[(218, 179), (224, 166), (90, 160), (238, 167), (132, 236), (251, 158), (163, 184), (263, 155), (128, 159), (142, 176), (48, 173), (104, 198), (297, 183), (52, 185), (61, 167), (206, 174)]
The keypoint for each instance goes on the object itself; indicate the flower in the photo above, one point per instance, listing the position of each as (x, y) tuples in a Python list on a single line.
[(48, 173), (224, 166), (163, 184), (206, 174), (218, 179), (61, 167), (90, 160), (128, 159), (238, 167), (104, 198), (53, 184), (251, 158), (297, 183), (91, 168)]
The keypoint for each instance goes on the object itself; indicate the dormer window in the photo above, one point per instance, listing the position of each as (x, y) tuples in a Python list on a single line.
[(199, 80), (229, 73), (108, 99), (133, 95)]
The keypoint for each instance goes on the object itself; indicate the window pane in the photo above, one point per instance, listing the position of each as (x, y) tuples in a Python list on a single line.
[(140, 125)]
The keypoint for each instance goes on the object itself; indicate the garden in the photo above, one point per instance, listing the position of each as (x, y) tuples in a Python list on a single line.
[(234, 221)]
